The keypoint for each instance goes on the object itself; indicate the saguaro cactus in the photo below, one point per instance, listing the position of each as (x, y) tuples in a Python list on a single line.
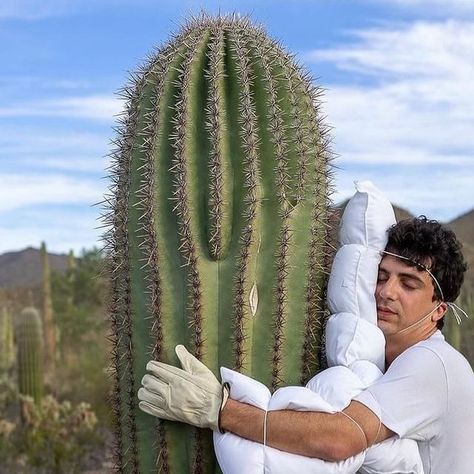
[(7, 355), (48, 316), (71, 277), (219, 220), (29, 340)]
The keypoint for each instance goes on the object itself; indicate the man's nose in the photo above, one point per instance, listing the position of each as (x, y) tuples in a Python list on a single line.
[(387, 289)]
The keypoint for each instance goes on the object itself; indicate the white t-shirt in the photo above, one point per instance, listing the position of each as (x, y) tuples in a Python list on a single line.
[(427, 394)]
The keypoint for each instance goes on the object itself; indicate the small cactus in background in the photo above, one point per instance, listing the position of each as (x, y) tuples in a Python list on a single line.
[(29, 341), (452, 330), (8, 390), (71, 268), (219, 226), (7, 353), (48, 316)]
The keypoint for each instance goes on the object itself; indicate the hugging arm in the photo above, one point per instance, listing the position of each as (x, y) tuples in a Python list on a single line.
[(193, 395), (332, 437)]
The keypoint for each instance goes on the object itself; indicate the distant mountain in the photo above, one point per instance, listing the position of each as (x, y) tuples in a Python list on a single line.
[(401, 214), (463, 226), (23, 268)]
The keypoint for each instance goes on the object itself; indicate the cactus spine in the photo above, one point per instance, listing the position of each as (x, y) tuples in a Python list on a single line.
[(29, 340), (218, 221)]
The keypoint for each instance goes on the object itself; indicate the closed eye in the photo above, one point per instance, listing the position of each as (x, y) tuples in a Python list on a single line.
[(382, 277), (410, 284)]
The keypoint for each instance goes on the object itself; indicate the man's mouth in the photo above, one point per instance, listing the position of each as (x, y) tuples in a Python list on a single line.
[(384, 313)]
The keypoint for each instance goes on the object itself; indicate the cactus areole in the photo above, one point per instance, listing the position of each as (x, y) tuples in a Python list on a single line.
[(218, 226)]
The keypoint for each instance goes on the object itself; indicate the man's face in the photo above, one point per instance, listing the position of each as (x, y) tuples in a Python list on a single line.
[(404, 295)]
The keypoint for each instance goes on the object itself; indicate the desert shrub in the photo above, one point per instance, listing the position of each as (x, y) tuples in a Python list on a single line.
[(7, 428), (55, 436)]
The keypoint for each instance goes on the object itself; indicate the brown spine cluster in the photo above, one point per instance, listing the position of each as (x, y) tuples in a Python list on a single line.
[(249, 137), (125, 450), (150, 134), (214, 124), (180, 182), (320, 251), (264, 50)]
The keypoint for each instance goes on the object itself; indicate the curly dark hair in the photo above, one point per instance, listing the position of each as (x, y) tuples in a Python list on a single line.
[(430, 243)]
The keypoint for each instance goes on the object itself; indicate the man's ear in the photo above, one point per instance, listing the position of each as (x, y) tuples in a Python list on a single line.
[(440, 312)]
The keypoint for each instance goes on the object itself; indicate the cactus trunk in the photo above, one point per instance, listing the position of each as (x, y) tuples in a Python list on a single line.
[(219, 226), (7, 355), (71, 276), (29, 340), (48, 317)]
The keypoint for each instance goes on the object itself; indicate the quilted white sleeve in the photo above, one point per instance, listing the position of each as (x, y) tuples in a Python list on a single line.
[(238, 456)]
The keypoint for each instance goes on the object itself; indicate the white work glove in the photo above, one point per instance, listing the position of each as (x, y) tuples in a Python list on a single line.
[(193, 395)]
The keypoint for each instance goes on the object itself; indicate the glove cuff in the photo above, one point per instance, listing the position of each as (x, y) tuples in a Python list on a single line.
[(225, 396)]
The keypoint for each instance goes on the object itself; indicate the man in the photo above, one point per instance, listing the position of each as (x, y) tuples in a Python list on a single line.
[(426, 393)]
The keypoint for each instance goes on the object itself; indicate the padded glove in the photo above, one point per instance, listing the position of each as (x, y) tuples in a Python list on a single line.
[(192, 395)]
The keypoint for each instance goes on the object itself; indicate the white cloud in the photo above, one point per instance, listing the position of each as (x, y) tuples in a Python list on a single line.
[(438, 193), (39, 83), (86, 164), (55, 209), (417, 50), (410, 157), (24, 146), (400, 123), (410, 129), (20, 190), (49, 182), (101, 108), (450, 5)]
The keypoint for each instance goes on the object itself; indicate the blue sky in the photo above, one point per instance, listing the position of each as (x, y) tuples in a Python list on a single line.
[(399, 76)]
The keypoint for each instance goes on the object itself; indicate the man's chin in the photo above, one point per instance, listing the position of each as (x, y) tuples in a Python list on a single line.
[(386, 327)]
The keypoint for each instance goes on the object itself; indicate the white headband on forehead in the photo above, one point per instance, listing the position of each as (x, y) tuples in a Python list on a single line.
[(454, 307)]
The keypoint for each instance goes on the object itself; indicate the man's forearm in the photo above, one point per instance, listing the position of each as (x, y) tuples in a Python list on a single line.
[(243, 420), (311, 434)]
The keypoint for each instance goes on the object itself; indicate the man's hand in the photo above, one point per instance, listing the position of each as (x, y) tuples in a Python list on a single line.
[(192, 395)]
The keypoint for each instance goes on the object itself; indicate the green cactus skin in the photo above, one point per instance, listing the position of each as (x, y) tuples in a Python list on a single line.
[(218, 226), (48, 316), (29, 340), (7, 350)]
